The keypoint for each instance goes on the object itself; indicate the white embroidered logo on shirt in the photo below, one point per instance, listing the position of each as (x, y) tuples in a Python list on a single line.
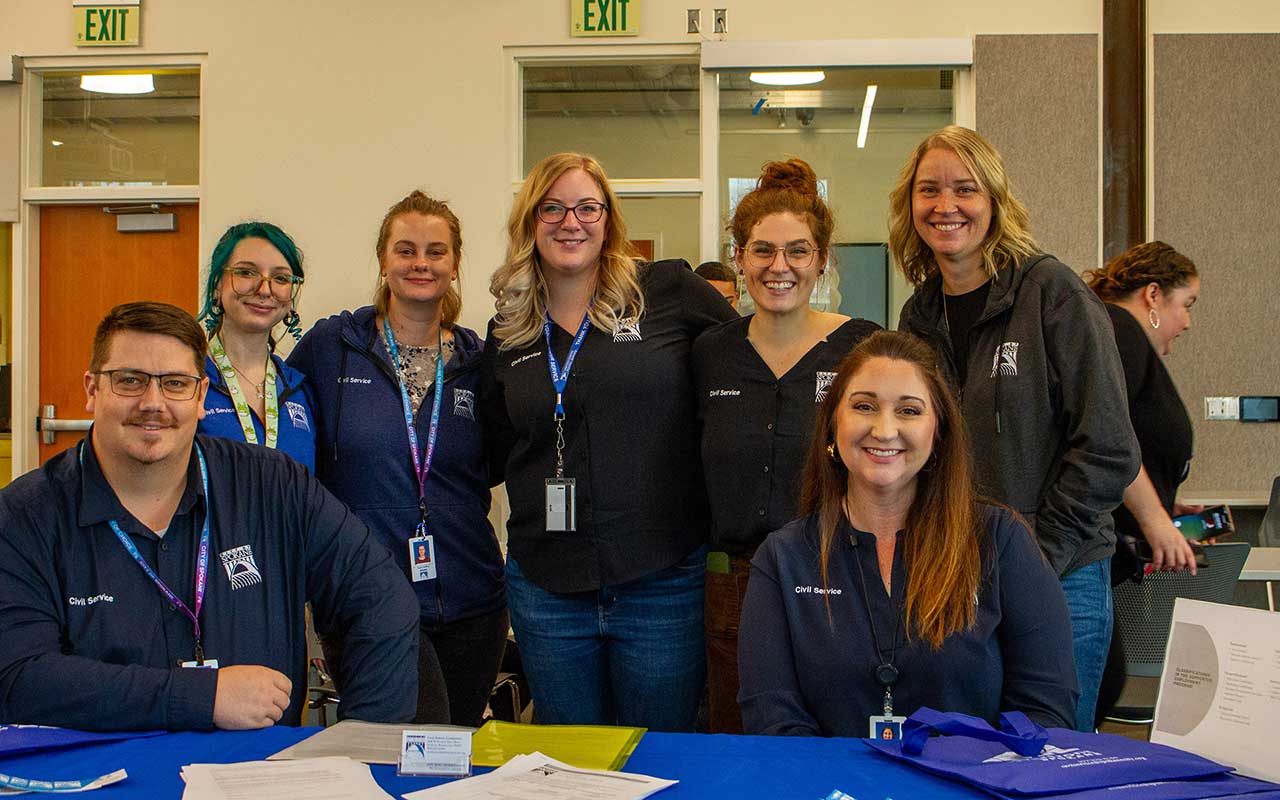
[(297, 415), (241, 569), (1005, 359), (627, 329), (824, 380), (464, 404)]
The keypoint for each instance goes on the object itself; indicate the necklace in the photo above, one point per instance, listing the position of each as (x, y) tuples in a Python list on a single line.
[(258, 388)]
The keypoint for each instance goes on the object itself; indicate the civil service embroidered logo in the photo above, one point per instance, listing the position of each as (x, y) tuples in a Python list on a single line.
[(241, 569), (627, 330), (297, 415), (1005, 359), (464, 403), (824, 380)]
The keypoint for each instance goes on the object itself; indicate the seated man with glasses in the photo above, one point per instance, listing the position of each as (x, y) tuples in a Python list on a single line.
[(153, 578)]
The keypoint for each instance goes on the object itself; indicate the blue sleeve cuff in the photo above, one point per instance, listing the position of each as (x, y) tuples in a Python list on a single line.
[(191, 696)]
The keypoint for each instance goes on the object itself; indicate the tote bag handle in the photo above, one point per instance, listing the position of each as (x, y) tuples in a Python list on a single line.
[(1017, 732)]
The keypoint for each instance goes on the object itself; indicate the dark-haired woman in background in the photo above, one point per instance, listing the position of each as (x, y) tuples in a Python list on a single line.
[(759, 380), (897, 588), (254, 277), (1031, 352), (396, 387)]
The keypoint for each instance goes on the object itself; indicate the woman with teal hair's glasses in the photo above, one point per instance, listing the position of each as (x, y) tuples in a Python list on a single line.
[(255, 274)]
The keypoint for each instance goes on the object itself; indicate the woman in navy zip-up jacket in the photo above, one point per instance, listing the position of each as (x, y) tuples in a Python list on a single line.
[(356, 372)]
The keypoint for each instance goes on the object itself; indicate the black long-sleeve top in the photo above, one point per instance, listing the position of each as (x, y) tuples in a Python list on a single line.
[(631, 439)]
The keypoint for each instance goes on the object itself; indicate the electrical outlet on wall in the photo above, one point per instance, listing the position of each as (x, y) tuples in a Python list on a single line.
[(694, 21), (1222, 408), (721, 21)]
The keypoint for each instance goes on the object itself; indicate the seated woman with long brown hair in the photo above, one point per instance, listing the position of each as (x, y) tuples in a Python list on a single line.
[(966, 615)]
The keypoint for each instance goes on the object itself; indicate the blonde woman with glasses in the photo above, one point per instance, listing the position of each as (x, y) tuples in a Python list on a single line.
[(589, 408)]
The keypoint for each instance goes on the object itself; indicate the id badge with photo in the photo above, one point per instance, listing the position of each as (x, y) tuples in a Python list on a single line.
[(886, 727), (209, 663), (422, 558), (561, 504)]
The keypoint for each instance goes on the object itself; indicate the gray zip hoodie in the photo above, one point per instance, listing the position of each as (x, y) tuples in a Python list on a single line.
[(1044, 403)]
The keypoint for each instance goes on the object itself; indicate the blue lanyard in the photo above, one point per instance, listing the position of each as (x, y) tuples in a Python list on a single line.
[(202, 558), (420, 466), (560, 379)]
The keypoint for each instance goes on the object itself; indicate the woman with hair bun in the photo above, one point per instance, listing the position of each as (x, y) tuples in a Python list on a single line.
[(255, 274), (590, 412), (1031, 352), (396, 386), (759, 380)]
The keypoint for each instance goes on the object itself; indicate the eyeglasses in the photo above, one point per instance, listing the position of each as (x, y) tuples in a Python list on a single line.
[(797, 256), (134, 383), (552, 213), (246, 282)]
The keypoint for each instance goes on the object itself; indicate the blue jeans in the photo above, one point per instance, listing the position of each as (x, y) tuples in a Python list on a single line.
[(630, 654), (1088, 592)]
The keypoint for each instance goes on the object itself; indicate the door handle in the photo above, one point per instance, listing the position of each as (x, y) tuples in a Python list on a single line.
[(48, 424)]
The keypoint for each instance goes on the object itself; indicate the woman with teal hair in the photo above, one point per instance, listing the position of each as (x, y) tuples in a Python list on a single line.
[(255, 274)]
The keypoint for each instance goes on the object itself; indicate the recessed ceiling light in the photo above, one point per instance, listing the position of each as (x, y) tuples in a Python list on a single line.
[(55, 143), (788, 78), (118, 84)]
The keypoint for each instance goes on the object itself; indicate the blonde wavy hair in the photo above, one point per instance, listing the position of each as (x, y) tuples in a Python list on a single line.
[(519, 286), (1009, 239)]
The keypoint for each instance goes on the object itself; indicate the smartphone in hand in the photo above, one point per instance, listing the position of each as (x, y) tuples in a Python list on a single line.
[(1213, 521)]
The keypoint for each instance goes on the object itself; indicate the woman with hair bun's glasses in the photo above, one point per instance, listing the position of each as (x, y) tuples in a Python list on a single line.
[(255, 275)]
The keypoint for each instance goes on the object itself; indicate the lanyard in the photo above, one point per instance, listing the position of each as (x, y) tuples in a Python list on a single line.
[(420, 466), (560, 380), (886, 673), (202, 559), (270, 425)]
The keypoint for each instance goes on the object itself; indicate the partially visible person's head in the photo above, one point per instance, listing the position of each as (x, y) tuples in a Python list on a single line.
[(721, 278), (1157, 284), (419, 251), (255, 274), (145, 384), (565, 226), (782, 236), (952, 201), (889, 424)]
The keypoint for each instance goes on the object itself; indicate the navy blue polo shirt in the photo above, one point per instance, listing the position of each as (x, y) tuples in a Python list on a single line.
[(90, 642)]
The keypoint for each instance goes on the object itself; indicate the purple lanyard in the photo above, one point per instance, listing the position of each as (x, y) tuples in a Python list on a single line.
[(202, 560), (420, 466)]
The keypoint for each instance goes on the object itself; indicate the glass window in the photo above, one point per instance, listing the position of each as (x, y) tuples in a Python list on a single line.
[(663, 227), (131, 128), (820, 123), (639, 120)]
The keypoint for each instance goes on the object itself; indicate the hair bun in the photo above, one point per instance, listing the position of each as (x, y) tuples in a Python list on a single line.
[(792, 174)]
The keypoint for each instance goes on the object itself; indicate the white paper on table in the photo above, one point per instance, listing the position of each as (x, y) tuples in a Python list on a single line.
[(96, 783), (305, 779), (370, 742), (537, 777), (1220, 690)]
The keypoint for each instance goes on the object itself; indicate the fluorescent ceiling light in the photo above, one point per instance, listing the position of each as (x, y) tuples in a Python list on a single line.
[(866, 115), (118, 84), (788, 78)]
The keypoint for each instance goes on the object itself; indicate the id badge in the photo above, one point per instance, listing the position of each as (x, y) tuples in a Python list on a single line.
[(561, 504), (209, 663), (886, 727), (422, 558)]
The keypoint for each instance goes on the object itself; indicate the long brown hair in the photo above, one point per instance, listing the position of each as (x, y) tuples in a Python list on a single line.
[(1139, 267), (941, 550), (417, 202)]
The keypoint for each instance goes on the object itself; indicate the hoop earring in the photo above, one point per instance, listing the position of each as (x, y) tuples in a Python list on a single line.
[(291, 321), (214, 318), (1153, 318)]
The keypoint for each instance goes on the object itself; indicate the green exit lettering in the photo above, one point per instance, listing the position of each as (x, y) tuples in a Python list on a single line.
[(105, 24), (609, 15)]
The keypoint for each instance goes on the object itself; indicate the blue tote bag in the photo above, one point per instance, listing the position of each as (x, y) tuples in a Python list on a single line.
[(1021, 759)]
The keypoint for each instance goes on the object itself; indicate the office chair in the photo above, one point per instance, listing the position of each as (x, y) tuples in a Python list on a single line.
[(1269, 532), (1144, 616)]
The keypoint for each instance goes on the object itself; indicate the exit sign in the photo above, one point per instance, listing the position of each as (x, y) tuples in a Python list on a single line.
[(604, 18), (106, 23)]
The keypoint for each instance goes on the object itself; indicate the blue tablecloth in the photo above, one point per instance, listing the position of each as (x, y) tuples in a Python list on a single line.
[(707, 766)]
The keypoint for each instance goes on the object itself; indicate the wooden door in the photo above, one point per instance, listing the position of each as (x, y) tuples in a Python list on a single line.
[(86, 268)]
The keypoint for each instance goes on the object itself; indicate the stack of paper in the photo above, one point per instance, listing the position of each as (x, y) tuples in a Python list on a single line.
[(310, 778), (370, 742), (536, 777)]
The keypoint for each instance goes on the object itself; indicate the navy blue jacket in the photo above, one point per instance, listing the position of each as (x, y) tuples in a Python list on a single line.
[(88, 641), (804, 675), (362, 456), (296, 436)]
